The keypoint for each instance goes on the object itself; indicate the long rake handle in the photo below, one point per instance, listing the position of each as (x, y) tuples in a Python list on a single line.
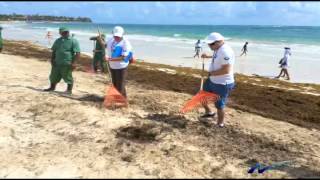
[(94, 52), (201, 86), (107, 63), (94, 48)]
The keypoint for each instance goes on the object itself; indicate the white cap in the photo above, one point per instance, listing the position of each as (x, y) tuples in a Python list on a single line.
[(118, 31), (213, 37)]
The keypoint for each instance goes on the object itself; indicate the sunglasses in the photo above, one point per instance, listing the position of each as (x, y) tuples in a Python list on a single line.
[(214, 43)]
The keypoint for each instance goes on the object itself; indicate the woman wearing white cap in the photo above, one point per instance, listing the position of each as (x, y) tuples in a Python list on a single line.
[(221, 78), (284, 64), (119, 63)]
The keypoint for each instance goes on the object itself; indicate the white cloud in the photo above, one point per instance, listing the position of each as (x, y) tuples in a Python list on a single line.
[(178, 7), (97, 2), (105, 13), (3, 4), (159, 4), (295, 4), (251, 6), (302, 13), (146, 11)]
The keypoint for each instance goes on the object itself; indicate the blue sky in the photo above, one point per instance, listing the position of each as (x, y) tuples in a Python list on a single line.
[(209, 13)]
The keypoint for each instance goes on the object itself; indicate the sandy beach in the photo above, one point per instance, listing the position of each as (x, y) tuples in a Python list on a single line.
[(46, 135), (262, 59)]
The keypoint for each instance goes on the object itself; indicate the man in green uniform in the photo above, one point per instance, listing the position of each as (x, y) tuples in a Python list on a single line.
[(1, 43), (65, 52), (99, 52)]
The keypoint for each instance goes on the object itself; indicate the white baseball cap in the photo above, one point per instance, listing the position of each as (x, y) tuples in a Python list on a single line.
[(118, 31), (213, 37)]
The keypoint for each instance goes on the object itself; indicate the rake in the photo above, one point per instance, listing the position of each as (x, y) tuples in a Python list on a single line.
[(201, 98)]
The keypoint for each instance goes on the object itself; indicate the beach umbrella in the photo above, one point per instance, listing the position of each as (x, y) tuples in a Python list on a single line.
[(201, 98)]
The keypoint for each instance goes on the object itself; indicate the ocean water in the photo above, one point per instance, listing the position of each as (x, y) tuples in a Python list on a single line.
[(174, 44), (268, 34)]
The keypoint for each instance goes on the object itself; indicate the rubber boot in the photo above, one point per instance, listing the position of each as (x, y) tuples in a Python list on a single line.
[(69, 89), (95, 69), (51, 88)]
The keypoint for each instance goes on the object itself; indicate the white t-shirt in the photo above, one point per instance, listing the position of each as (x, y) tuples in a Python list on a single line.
[(198, 45), (286, 56), (224, 55), (127, 48)]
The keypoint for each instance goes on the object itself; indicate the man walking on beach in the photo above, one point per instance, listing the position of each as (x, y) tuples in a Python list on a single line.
[(99, 53), (65, 52), (284, 64), (221, 77), (197, 48), (1, 43), (244, 49)]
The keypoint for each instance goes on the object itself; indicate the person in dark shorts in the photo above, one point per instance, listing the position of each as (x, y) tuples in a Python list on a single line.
[(244, 49), (197, 49)]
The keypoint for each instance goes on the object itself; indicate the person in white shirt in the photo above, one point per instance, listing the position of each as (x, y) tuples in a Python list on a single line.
[(119, 62), (284, 63), (49, 37), (197, 49), (221, 77)]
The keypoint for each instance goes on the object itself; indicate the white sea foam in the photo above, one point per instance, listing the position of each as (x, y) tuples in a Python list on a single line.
[(263, 57), (83, 33)]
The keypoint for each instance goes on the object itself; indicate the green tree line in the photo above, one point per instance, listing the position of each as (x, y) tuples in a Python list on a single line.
[(37, 17)]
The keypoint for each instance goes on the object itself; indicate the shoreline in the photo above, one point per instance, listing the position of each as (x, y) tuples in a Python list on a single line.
[(179, 68), (262, 58)]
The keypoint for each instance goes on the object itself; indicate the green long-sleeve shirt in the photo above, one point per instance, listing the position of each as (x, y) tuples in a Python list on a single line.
[(1, 43)]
